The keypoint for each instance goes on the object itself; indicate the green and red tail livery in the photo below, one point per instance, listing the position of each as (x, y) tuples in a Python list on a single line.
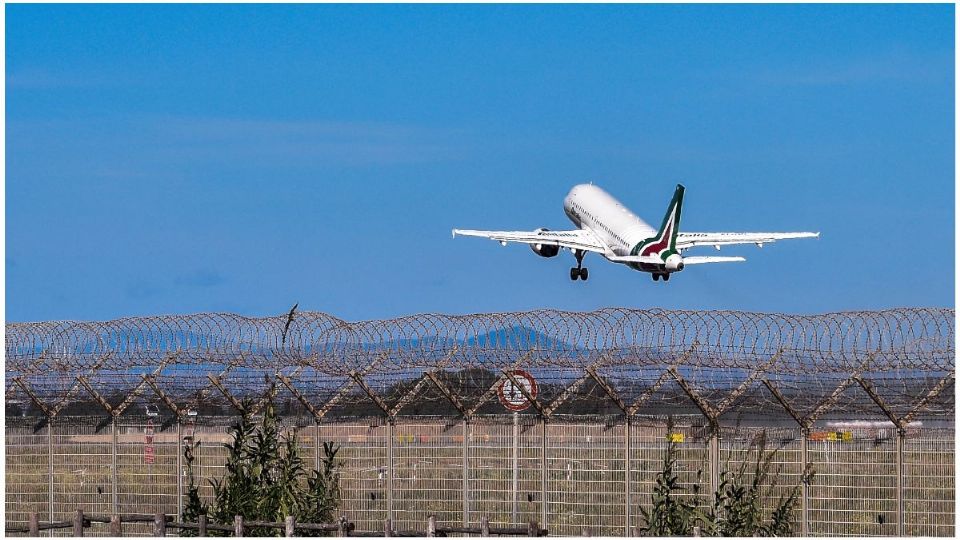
[(664, 243)]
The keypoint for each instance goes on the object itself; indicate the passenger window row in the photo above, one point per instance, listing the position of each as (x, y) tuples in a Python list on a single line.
[(603, 226)]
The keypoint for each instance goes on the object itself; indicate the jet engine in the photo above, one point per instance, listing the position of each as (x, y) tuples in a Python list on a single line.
[(674, 263), (545, 250)]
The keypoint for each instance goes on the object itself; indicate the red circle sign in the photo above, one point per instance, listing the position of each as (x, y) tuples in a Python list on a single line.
[(511, 397)]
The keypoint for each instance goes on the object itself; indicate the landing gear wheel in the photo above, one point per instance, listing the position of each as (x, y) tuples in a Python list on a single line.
[(666, 277), (656, 277), (574, 273), (583, 274)]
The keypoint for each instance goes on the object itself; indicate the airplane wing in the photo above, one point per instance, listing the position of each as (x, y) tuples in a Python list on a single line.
[(578, 239), (692, 239)]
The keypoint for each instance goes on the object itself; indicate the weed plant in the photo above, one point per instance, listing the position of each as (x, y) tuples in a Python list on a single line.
[(736, 509), (265, 479)]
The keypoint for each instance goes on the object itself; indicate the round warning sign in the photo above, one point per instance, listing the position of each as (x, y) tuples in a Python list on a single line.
[(512, 397)]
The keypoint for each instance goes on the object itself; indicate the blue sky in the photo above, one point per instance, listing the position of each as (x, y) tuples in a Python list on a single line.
[(177, 159)]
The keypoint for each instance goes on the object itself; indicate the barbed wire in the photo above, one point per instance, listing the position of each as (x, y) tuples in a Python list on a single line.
[(903, 354)]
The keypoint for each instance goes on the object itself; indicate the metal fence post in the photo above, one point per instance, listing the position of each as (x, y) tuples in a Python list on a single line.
[(238, 528), (543, 471), (179, 470), (50, 470), (316, 445), (804, 484), (288, 526), (715, 458), (516, 464), (115, 477), (626, 480), (901, 528), (466, 472), (390, 470), (202, 525)]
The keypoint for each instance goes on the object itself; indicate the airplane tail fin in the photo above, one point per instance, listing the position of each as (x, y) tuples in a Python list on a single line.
[(665, 242), (671, 220)]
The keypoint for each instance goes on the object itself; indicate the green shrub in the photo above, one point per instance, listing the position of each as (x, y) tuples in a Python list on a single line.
[(265, 479), (670, 515), (736, 509)]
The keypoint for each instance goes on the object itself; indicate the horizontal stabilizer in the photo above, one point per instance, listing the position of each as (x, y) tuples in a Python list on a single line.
[(705, 260), (639, 259)]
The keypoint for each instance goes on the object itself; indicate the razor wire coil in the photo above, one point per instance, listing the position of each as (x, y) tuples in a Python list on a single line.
[(904, 352)]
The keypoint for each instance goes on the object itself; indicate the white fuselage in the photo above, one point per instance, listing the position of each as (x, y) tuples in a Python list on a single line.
[(592, 208)]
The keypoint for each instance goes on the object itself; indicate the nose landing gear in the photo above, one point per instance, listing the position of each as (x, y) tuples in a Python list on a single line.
[(579, 271)]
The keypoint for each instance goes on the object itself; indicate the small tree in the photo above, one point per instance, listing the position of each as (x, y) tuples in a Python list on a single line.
[(265, 478)]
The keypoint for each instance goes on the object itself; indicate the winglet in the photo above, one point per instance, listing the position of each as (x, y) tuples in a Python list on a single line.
[(453, 233)]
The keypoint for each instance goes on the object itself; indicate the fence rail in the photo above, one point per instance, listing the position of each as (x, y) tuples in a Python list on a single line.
[(161, 522)]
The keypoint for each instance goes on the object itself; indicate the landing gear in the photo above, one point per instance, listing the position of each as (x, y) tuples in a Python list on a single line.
[(666, 277), (579, 272), (656, 276)]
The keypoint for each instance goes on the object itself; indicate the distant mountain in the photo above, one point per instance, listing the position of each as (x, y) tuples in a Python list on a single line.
[(519, 338)]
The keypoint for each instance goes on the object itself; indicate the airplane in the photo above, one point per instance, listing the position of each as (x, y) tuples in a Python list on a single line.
[(607, 227)]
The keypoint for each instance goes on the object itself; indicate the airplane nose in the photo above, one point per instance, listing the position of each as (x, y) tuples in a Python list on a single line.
[(680, 266)]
